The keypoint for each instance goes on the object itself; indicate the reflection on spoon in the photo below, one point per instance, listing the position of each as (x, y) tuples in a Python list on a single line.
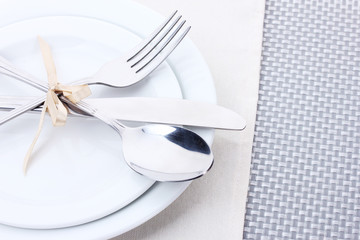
[(166, 153), (160, 152)]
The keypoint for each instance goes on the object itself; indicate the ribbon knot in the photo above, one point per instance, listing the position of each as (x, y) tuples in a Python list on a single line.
[(53, 105)]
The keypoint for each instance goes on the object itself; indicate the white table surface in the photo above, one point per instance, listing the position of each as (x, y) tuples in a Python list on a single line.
[(229, 35)]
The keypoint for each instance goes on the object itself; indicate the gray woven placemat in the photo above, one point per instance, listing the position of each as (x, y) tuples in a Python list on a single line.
[(305, 173)]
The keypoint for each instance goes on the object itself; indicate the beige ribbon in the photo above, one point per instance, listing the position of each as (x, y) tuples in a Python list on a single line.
[(53, 105)]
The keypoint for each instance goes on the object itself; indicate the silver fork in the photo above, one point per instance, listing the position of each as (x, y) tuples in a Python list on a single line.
[(130, 68), (160, 152)]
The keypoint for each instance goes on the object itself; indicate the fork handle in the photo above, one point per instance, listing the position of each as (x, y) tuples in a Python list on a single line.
[(10, 70), (84, 81), (22, 109), (26, 78)]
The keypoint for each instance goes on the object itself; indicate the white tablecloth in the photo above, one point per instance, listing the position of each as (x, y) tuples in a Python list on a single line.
[(228, 34)]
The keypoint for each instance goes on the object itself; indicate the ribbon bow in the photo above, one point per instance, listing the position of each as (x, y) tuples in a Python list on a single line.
[(53, 105)]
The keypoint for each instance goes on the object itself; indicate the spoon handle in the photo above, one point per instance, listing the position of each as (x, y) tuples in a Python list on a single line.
[(9, 69), (95, 112)]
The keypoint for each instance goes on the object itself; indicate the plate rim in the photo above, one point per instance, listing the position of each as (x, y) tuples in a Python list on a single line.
[(44, 213), (173, 190)]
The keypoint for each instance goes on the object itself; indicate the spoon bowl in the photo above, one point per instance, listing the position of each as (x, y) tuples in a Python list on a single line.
[(160, 152), (166, 153)]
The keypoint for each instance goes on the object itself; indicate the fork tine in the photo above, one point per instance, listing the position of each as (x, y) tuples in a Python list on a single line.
[(161, 55), (135, 51), (158, 41)]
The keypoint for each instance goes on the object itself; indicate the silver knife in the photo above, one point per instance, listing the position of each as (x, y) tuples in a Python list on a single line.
[(155, 110)]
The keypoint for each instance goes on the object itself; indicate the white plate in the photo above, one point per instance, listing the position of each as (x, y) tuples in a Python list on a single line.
[(194, 78), (77, 175)]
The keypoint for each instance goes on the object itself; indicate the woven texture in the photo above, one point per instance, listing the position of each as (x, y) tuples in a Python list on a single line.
[(305, 173)]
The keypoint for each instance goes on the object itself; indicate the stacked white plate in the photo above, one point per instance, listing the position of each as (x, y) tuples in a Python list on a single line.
[(78, 186)]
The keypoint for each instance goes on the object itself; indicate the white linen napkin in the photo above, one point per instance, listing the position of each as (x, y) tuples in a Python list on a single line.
[(229, 35)]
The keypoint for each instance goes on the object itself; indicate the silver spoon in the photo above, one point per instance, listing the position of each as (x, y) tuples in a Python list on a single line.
[(160, 152)]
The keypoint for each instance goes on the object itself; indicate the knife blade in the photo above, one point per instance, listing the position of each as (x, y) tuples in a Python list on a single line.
[(154, 110)]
